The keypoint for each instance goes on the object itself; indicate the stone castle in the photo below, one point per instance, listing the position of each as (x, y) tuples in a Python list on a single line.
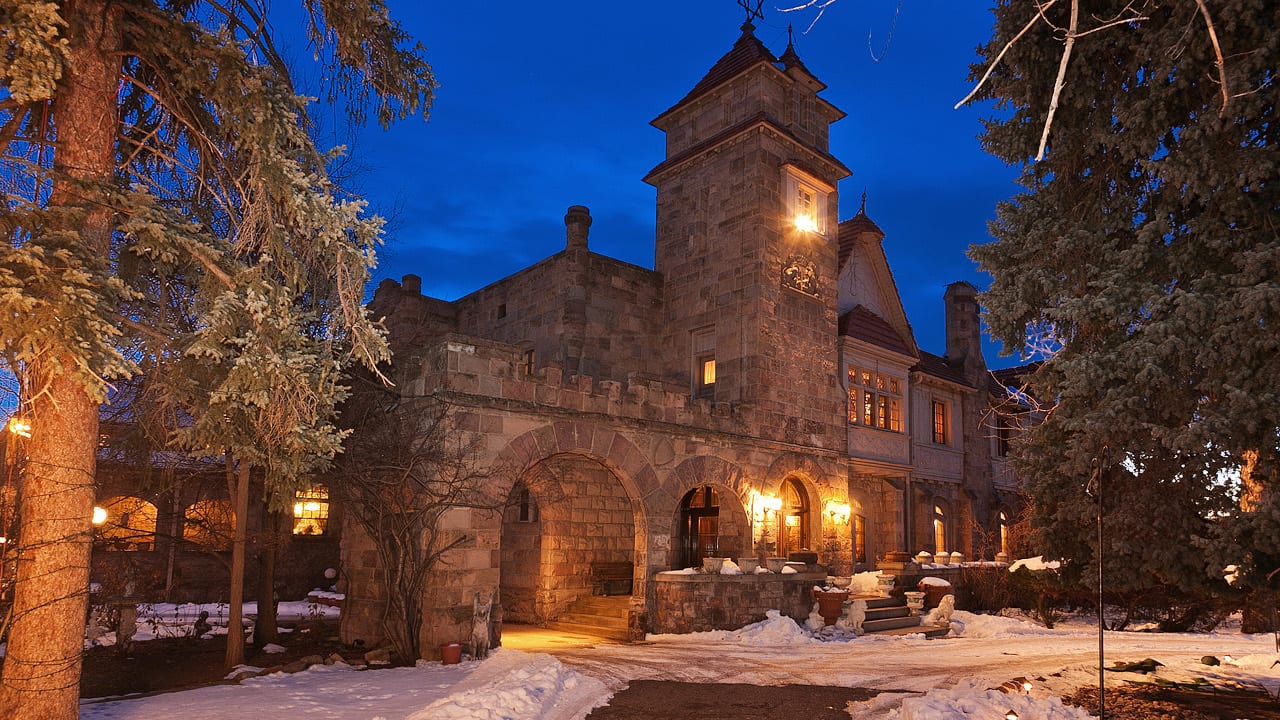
[(759, 392)]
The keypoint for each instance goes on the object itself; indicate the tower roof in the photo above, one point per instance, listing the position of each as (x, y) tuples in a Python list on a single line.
[(745, 54)]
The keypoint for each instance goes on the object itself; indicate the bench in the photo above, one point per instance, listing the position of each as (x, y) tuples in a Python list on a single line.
[(612, 578)]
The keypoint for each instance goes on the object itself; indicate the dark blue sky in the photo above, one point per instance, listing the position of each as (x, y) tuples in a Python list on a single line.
[(546, 105)]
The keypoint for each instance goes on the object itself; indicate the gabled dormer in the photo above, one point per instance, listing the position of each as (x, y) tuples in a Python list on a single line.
[(865, 278)]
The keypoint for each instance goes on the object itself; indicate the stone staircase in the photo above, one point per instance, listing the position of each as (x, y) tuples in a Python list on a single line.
[(890, 616), (599, 615)]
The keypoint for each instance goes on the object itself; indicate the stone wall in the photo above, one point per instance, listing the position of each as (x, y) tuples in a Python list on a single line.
[(693, 603)]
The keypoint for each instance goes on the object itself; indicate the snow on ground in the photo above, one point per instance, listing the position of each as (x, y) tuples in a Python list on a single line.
[(167, 620), (957, 676)]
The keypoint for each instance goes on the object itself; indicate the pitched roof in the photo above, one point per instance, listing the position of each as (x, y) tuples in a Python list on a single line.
[(940, 367), (746, 53), (850, 229), (862, 324)]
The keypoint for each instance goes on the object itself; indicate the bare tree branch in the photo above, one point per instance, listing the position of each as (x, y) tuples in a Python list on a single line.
[(1068, 44)]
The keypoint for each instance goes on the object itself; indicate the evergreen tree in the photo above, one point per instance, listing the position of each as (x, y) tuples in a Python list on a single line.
[(1143, 262), (163, 200)]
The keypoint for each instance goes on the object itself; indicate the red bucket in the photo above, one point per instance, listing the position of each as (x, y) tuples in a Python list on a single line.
[(451, 653)]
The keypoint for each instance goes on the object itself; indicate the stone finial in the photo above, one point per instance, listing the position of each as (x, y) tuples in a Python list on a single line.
[(577, 221)]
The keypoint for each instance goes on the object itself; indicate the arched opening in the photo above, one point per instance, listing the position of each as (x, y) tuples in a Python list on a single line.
[(858, 526), (209, 523), (699, 526), (130, 524), (794, 516), (565, 520)]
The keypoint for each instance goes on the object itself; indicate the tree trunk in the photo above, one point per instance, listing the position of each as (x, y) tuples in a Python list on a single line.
[(41, 678), (235, 616), (264, 630)]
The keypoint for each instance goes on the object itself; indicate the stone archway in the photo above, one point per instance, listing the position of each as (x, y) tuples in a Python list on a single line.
[(575, 505), (696, 483)]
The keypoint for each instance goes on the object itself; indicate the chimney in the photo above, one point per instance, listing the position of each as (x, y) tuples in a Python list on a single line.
[(412, 284), (964, 342), (576, 223)]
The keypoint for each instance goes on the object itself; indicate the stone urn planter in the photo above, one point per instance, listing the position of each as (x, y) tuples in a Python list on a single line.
[(748, 564), (830, 604), (884, 584), (775, 564), (712, 564), (915, 601)]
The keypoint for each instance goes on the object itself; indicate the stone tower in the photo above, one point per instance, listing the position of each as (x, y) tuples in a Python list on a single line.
[(747, 244)]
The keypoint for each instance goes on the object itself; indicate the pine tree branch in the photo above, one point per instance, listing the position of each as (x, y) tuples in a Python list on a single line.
[(991, 66), (1217, 51), (1067, 46)]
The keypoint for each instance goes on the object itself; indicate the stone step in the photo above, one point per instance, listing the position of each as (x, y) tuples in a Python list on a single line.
[(612, 622), (893, 623), (929, 631), (595, 630), (881, 613), (610, 605)]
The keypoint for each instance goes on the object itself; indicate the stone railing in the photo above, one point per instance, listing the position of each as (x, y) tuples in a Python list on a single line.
[(704, 601)]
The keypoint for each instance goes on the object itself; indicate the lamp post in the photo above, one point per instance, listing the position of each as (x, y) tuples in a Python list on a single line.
[(1094, 490)]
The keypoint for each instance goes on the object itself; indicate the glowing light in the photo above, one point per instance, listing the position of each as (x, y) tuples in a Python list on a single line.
[(771, 503), (806, 223), (839, 511), (297, 509), (1027, 686), (1011, 715), (19, 427), (99, 515)]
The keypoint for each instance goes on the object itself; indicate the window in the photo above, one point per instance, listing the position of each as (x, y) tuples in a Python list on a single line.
[(704, 364), (875, 400), (941, 423), (859, 538), (806, 201), (526, 508), (1004, 434), (939, 528), (526, 362), (795, 518), (706, 376), (1004, 532), (311, 510), (502, 310)]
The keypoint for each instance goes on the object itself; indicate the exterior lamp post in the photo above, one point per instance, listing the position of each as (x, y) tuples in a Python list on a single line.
[(1094, 490)]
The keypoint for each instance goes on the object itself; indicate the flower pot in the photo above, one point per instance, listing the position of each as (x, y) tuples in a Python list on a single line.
[(775, 564), (712, 564), (957, 557), (830, 604), (942, 558), (451, 653), (924, 557), (915, 601), (748, 564)]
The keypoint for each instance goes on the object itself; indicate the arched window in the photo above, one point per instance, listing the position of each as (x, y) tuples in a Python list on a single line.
[(795, 518), (939, 527), (209, 523), (130, 523), (699, 526)]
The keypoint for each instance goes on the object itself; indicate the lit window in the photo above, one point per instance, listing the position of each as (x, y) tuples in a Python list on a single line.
[(311, 510), (875, 400), (806, 201), (941, 424), (704, 364), (1004, 532), (859, 538), (939, 529)]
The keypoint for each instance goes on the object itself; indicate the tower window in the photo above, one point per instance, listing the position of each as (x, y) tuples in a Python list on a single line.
[(941, 423), (703, 370)]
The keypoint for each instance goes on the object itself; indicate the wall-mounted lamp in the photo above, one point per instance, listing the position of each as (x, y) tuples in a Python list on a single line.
[(838, 511), (1011, 715), (806, 223), (99, 515), (19, 427)]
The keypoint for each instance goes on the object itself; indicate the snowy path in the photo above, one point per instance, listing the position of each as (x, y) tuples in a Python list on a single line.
[(922, 679)]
